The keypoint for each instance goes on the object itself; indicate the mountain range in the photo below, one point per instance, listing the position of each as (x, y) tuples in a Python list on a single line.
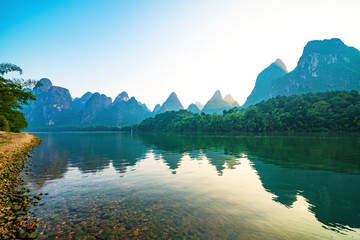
[(217, 103), (55, 107), (172, 103), (324, 65)]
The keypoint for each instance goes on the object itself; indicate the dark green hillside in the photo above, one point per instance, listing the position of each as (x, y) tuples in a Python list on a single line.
[(324, 111)]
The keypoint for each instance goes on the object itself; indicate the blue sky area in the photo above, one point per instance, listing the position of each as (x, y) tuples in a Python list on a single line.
[(151, 48)]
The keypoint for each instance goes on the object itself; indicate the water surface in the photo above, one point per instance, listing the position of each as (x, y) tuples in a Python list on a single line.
[(161, 186)]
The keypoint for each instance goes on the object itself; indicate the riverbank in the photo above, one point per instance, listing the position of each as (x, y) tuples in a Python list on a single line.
[(15, 144), (14, 198)]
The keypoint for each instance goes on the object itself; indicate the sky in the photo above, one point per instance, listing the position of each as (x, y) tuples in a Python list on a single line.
[(152, 48)]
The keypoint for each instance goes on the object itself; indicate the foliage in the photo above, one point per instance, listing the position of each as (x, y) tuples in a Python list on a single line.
[(4, 124), (324, 111), (13, 96)]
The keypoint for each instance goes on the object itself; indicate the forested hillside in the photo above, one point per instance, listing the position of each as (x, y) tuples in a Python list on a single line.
[(327, 65), (324, 111)]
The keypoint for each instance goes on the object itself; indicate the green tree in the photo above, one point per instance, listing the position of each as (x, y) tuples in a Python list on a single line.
[(323, 111), (13, 95)]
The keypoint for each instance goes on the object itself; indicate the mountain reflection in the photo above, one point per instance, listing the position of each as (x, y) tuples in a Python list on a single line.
[(172, 148), (324, 169), (89, 152)]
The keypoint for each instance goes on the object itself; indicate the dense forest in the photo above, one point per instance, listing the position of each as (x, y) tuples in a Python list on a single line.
[(323, 111), (13, 96)]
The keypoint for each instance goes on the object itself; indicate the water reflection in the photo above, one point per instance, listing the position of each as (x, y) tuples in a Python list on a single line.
[(171, 148), (323, 169), (333, 197), (90, 152)]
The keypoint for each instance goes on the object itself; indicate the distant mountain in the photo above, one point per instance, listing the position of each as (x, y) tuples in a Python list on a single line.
[(79, 103), (156, 108), (123, 96), (324, 66), (124, 113), (262, 90), (217, 104), (172, 103), (55, 107), (93, 107), (143, 105), (193, 108), (230, 100), (199, 105)]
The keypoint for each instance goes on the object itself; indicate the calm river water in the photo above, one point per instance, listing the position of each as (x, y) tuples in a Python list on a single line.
[(162, 186)]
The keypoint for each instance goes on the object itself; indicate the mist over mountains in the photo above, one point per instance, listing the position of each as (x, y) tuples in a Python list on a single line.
[(217, 103), (324, 65), (172, 103), (55, 107)]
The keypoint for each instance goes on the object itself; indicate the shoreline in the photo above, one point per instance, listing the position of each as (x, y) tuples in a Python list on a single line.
[(15, 199), (14, 144)]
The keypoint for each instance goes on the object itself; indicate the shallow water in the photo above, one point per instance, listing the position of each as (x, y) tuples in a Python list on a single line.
[(161, 186)]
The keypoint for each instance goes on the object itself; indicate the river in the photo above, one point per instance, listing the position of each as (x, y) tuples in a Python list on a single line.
[(105, 185)]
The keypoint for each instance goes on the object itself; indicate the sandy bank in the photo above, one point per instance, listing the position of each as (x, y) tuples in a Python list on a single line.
[(13, 144), (14, 198)]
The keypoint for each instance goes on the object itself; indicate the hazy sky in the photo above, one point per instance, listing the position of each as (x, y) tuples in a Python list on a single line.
[(151, 48)]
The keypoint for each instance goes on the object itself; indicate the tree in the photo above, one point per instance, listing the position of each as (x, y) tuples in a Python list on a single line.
[(13, 95)]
